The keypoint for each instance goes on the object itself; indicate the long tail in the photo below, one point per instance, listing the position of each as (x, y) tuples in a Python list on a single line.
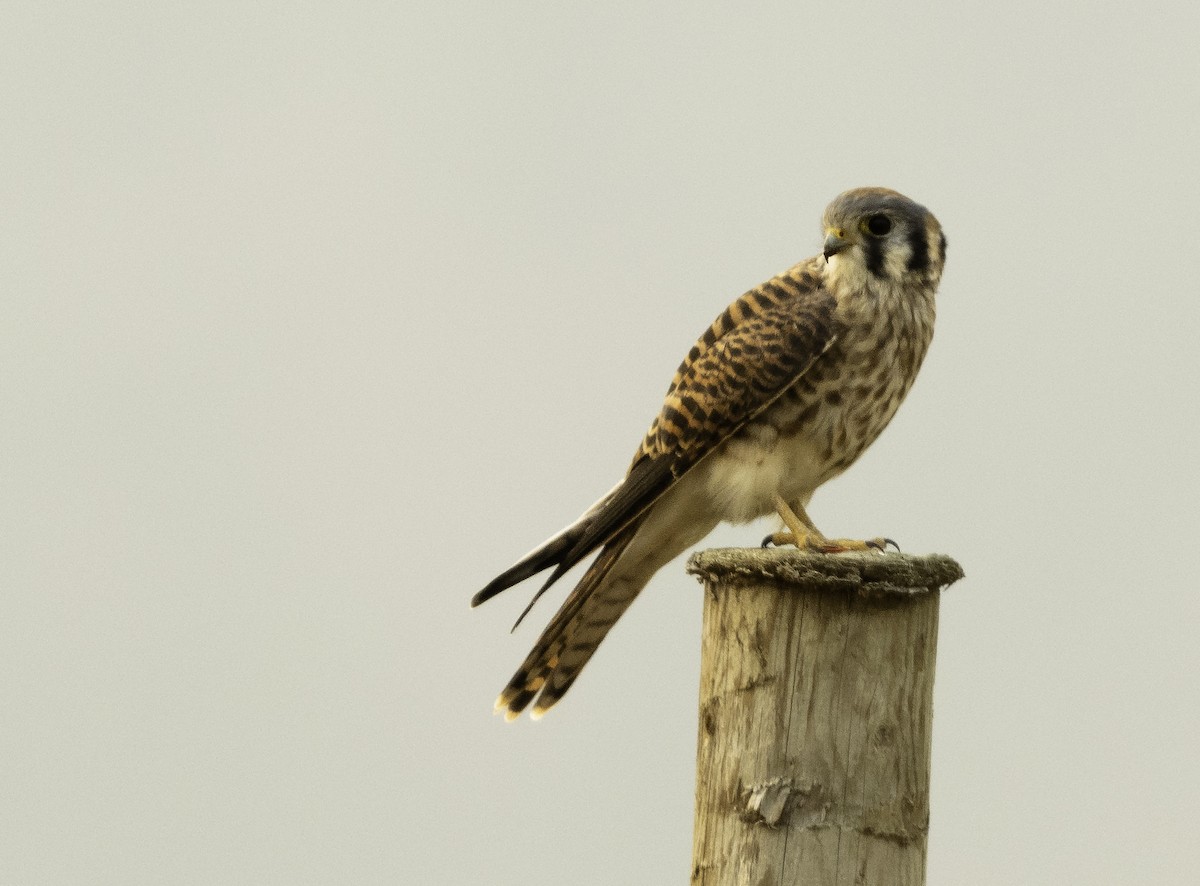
[(567, 643), (562, 551)]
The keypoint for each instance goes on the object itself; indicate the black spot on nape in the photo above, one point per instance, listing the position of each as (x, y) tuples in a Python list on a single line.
[(873, 252), (918, 259)]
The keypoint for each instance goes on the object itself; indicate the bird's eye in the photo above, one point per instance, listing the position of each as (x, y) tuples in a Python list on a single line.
[(879, 225)]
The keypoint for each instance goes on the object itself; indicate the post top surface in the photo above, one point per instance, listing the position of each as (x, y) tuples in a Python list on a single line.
[(891, 573)]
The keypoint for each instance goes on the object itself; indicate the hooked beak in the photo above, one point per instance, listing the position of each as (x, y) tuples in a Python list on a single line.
[(835, 243)]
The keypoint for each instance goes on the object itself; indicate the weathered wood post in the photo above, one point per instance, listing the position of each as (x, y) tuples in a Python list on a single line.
[(816, 714)]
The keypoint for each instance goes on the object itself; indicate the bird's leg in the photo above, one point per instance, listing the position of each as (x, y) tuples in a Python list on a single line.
[(803, 534), (800, 529)]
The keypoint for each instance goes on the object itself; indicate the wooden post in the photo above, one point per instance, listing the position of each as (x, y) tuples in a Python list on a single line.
[(816, 714)]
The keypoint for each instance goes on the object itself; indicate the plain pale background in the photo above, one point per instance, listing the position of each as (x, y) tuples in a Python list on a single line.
[(316, 316)]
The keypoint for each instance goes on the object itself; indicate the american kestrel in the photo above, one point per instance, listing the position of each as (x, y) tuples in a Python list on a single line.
[(786, 389)]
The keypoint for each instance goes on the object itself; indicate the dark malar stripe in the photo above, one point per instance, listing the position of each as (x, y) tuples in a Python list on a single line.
[(919, 244), (873, 247)]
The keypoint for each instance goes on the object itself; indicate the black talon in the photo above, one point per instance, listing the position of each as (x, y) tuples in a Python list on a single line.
[(888, 541), (766, 543)]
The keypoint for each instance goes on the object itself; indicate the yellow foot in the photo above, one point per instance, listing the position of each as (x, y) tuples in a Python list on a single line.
[(803, 534), (828, 545)]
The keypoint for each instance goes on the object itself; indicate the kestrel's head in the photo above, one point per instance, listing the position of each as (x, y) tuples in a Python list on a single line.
[(883, 234)]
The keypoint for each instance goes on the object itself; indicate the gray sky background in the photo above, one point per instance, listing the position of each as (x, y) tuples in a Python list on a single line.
[(316, 316)]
